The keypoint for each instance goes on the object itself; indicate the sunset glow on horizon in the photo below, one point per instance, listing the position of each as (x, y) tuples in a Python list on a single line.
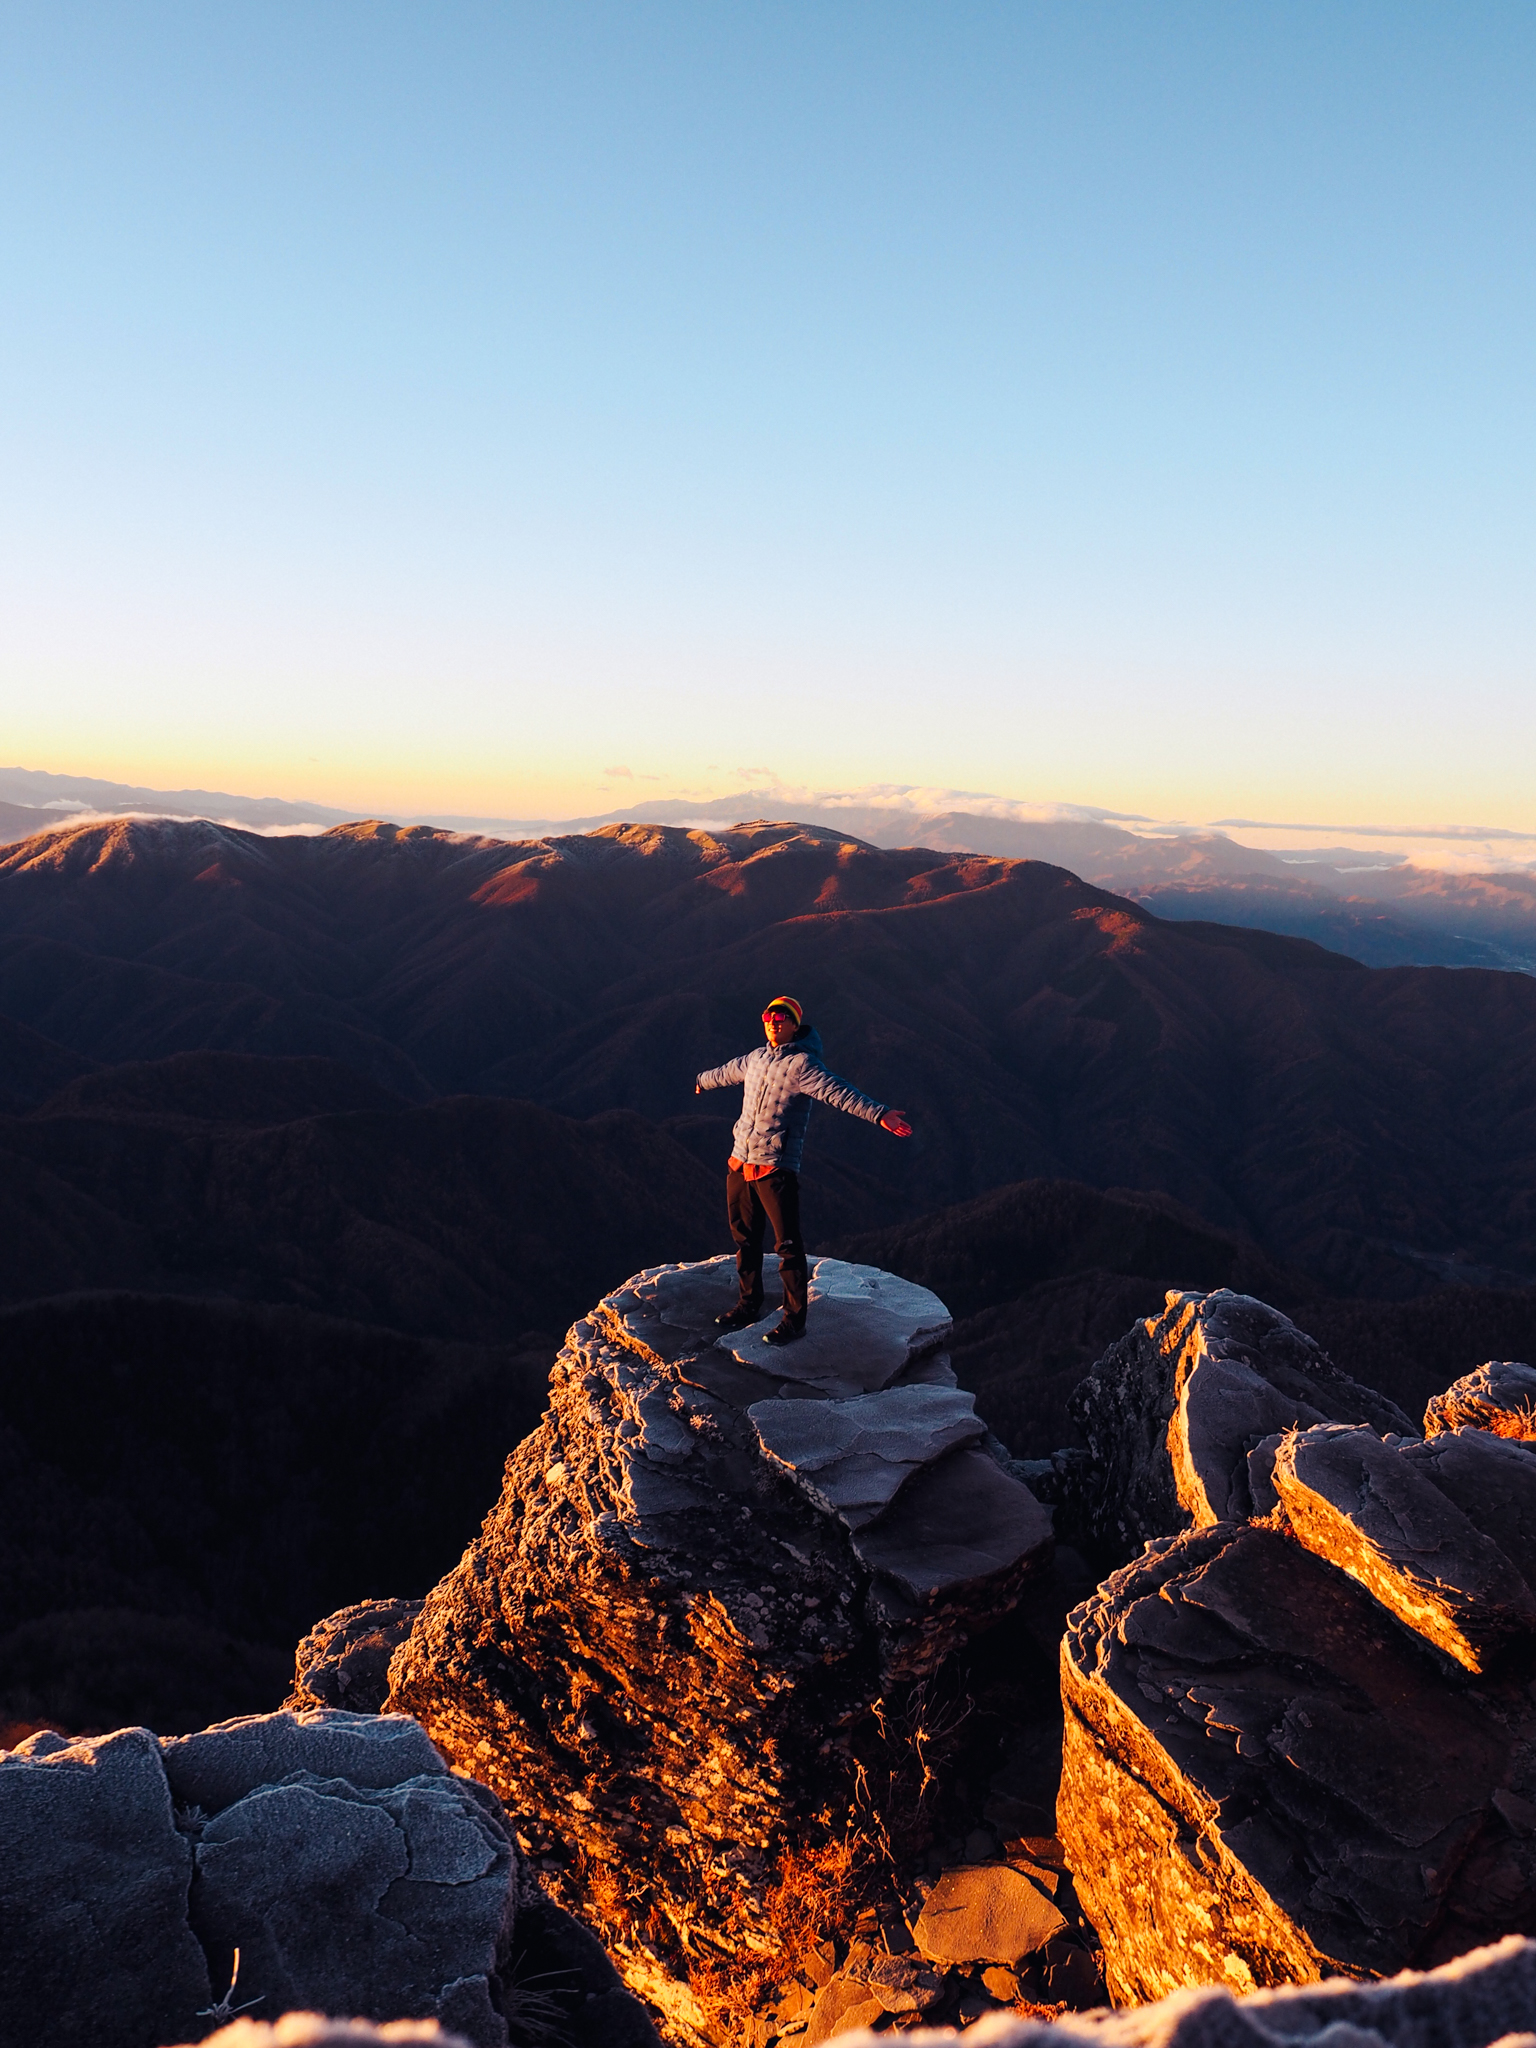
[(506, 413)]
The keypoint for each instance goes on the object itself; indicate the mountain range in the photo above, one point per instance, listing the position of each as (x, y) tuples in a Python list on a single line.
[(1371, 1127), (1379, 907)]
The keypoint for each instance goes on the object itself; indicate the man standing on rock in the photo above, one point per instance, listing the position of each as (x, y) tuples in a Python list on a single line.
[(780, 1080)]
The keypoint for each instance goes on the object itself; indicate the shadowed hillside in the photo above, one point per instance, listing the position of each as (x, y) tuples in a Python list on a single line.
[(299, 1181), (184, 1485), (1373, 1127), (1045, 1276)]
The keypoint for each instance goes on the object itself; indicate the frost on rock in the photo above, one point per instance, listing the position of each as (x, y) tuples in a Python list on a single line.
[(333, 1850), (1482, 1998)]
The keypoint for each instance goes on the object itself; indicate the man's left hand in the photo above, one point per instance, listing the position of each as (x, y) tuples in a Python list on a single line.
[(894, 1122)]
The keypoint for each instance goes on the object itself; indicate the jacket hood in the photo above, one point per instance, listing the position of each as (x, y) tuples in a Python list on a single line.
[(806, 1039)]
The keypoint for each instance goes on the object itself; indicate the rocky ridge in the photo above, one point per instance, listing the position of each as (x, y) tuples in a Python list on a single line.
[(1168, 1414), (1300, 1738), (701, 1630)]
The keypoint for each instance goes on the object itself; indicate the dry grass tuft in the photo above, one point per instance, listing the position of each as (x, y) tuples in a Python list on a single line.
[(1515, 1422), (813, 1899)]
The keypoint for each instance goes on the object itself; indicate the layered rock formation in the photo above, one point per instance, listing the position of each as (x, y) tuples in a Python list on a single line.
[(151, 1888), (704, 1625), (1299, 1737), (1171, 1411)]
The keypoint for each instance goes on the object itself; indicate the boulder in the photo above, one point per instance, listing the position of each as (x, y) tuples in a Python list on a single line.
[(93, 1897), (1381, 1516), (1170, 1413), (712, 1566), (1499, 1397), (344, 1660), (1483, 1998), (1300, 1729), (1267, 1779), (318, 1860), (1492, 1479)]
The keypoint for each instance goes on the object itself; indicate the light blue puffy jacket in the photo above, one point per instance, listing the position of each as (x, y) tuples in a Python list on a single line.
[(778, 1089)]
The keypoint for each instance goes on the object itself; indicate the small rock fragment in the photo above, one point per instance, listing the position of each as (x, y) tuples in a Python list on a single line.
[(986, 1913)]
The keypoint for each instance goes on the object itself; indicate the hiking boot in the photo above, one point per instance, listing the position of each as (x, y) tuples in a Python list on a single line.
[(784, 1333), (741, 1317)]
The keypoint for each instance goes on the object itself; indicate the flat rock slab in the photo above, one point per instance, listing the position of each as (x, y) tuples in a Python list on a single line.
[(1377, 1515), (841, 2007), (1499, 1396), (863, 1328), (902, 1984), (985, 1913), (852, 1457), (962, 1519)]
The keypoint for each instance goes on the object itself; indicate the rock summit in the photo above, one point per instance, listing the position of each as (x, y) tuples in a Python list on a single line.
[(714, 1568)]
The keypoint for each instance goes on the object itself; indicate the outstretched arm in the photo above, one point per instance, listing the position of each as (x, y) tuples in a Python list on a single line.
[(723, 1077), (825, 1086)]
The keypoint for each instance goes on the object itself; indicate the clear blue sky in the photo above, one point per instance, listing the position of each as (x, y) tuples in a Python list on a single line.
[(444, 404)]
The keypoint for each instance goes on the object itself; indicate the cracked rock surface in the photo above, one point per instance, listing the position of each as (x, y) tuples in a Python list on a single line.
[(707, 1566), (333, 1850)]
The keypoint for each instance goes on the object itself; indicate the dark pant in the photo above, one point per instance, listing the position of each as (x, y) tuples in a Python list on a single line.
[(752, 1205)]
